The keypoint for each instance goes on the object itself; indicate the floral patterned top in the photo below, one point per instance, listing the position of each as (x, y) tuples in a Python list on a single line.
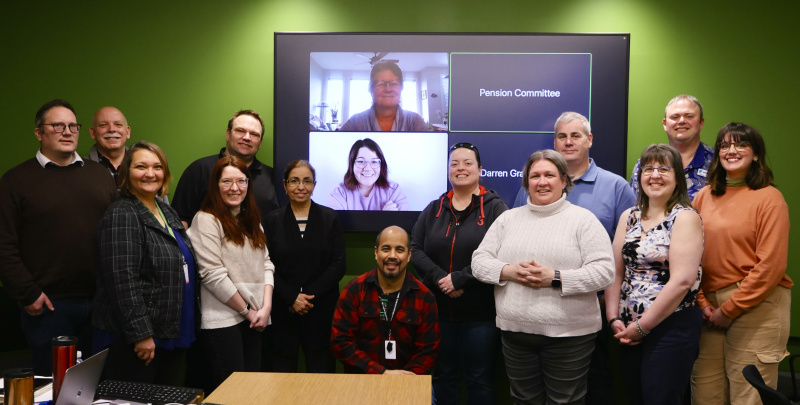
[(646, 259)]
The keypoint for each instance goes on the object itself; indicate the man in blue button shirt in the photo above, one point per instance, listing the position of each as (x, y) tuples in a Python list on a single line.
[(683, 120), (606, 195)]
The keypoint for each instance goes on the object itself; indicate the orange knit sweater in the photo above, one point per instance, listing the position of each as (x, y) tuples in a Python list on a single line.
[(746, 242)]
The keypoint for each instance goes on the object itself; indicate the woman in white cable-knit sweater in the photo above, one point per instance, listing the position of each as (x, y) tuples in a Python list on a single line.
[(547, 259), (237, 274)]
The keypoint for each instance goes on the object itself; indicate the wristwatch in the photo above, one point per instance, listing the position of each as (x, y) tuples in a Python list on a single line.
[(245, 310), (556, 279)]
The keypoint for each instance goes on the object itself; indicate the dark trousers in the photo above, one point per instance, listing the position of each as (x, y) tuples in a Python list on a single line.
[(658, 370), (468, 349), (234, 348), (123, 364), (547, 370), (312, 332), (600, 388), (70, 317)]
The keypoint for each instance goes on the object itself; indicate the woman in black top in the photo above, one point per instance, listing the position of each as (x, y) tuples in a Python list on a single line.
[(306, 244), (444, 237)]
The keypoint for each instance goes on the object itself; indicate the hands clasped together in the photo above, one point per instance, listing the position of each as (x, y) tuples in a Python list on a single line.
[(528, 274), (447, 287), (302, 304)]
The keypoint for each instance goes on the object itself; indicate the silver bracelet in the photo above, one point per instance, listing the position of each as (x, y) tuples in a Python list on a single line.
[(639, 328)]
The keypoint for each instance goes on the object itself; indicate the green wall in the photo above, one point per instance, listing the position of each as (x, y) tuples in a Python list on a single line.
[(179, 69)]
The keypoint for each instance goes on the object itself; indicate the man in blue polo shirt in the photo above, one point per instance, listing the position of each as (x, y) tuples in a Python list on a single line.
[(606, 195), (683, 120)]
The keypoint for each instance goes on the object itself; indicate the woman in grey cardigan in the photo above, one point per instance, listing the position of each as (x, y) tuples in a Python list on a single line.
[(236, 272)]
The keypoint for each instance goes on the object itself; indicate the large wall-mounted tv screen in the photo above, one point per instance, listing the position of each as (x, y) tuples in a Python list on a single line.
[(500, 92)]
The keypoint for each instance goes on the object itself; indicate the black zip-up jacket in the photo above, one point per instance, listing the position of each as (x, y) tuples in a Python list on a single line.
[(442, 244)]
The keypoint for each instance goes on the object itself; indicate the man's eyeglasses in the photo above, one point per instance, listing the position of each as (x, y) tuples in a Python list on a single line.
[(374, 163), (59, 127), (740, 146), (648, 170), (226, 184), (294, 182), (242, 132)]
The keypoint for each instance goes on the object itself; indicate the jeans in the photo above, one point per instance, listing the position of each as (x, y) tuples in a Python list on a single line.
[(657, 371), (468, 349), (70, 317)]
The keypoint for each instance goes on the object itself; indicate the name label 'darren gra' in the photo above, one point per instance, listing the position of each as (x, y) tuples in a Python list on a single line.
[(501, 173)]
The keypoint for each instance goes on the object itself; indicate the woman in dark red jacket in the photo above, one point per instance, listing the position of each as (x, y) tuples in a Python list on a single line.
[(444, 237)]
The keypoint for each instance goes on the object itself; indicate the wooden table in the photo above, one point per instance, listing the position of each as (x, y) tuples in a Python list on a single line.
[(345, 389)]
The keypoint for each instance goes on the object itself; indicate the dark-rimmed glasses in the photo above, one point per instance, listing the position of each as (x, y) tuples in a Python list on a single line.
[(295, 181), (392, 84), (60, 127), (739, 146)]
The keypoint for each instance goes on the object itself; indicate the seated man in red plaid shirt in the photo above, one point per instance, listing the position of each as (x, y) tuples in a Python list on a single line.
[(386, 321)]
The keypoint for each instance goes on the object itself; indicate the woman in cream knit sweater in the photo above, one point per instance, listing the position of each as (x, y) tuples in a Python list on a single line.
[(547, 259), (237, 274)]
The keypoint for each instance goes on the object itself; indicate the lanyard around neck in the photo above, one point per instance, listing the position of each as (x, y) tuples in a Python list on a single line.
[(394, 310)]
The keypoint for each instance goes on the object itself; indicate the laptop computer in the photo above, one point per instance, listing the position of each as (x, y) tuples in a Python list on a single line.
[(80, 381)]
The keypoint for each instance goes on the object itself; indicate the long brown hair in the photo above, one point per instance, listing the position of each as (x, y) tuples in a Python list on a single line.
[(759, 175), (247, 224)]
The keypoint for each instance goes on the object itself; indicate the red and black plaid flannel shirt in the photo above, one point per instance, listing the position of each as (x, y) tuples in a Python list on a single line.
[(356, 338)]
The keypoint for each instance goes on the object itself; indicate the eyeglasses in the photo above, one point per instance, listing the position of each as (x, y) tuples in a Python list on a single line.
[(59, 127), (294, 182), (393, 84), (226, 184), (374, 163), (739, 146), (648, 170), (243, 132), (466, 145)]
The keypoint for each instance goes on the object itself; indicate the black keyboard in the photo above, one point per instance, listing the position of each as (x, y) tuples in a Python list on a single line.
[(147, 393)]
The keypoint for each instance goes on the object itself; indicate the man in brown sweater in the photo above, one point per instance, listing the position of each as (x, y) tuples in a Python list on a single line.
[(49, 208)]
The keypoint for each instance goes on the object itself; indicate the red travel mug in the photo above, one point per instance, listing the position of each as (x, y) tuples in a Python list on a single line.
[(65, 353)]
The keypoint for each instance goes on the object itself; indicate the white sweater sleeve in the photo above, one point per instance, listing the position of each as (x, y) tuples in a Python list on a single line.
[(597, 270), (207, 236)]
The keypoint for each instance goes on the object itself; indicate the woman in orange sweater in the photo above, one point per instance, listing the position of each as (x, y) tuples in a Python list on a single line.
[(745, 294)]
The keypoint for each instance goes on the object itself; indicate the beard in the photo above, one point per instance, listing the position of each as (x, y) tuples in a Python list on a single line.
[(389, 275)]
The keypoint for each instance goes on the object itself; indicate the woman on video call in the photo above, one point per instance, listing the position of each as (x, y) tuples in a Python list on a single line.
[(385, 84), (366, 185)]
